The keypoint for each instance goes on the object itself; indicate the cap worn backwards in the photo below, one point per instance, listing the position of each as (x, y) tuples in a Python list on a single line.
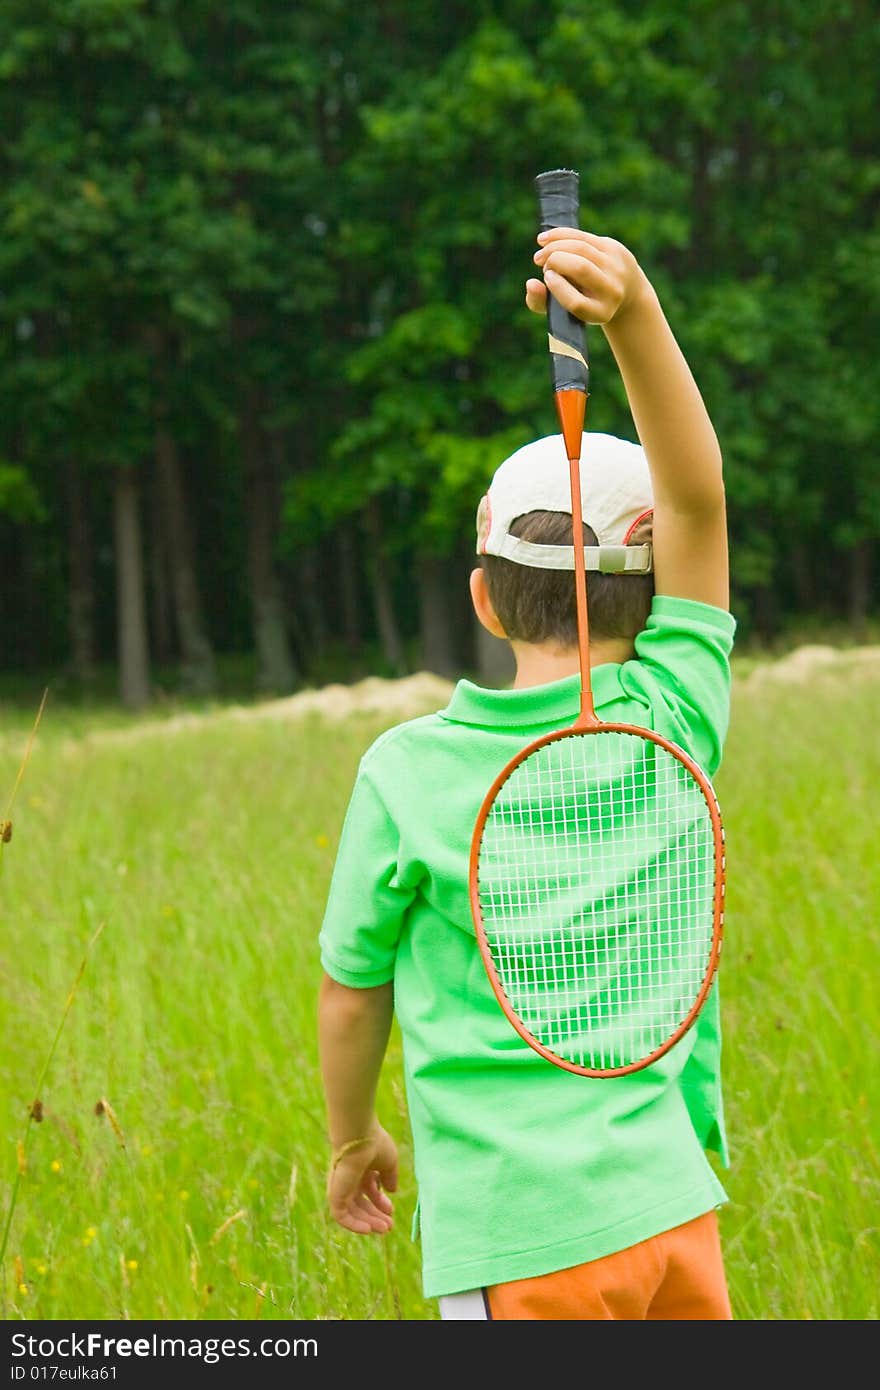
[(616, 495)]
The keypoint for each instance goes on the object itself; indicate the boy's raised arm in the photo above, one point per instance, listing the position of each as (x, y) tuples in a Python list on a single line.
[(601, 282)]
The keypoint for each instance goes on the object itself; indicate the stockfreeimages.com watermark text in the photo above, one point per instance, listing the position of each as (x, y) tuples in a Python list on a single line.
[(96, 1346)]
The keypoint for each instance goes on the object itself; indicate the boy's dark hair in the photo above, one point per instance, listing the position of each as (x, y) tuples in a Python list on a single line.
[(537, 605)]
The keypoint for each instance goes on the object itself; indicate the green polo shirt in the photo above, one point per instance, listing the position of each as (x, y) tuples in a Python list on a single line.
[(522, 1168)]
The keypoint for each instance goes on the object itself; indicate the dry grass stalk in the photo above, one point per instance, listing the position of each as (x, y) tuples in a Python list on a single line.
[(240, 1215), (103, 1107), (6, 821), (21, 1148)]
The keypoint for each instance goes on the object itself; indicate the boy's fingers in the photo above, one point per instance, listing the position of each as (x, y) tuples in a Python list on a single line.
[(362, 1226), (376, 1225), (360, 1216), (589, 310), (368, 1208), (536, 296), (348, 1215), (388, 1175), (582, 250), (554, 233), (352, 1223), (571, 234), (377, 1196), (586, 275)]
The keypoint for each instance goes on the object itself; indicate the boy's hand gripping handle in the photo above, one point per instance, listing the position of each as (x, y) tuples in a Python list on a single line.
[(558, 207)]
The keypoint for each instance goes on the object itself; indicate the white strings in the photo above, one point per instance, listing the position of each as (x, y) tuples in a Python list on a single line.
[(596, 883)]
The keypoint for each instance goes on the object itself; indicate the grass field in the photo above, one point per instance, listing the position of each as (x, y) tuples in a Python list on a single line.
[(206, 855)]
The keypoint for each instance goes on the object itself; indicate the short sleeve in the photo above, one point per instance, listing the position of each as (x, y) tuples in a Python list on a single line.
[(367, 903), (683, 663)]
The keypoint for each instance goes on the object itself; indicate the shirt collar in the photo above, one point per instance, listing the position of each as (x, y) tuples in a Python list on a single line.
[(553, 704)]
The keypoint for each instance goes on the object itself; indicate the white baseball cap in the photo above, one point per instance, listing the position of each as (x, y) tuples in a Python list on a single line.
[(615, 495)]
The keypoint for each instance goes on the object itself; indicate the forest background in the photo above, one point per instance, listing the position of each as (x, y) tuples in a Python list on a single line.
[(262, 339)]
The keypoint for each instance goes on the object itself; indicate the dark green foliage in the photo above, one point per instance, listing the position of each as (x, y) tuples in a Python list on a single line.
[(310, 227)]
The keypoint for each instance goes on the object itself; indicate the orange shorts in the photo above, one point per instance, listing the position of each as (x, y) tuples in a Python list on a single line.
[(675, 1276)]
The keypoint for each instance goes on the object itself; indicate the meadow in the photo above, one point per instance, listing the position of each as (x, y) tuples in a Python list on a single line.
[(174, 1167)]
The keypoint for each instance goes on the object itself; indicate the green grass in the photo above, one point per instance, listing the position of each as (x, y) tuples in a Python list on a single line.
[(207, 853)]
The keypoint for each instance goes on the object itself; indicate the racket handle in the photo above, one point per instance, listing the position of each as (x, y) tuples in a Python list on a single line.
[(558, 207)]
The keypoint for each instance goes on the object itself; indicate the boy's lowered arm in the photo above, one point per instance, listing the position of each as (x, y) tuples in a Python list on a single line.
[(353, 1027), (600, 281)]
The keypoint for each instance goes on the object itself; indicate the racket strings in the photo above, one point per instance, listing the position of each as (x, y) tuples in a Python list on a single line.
[(596, 882)]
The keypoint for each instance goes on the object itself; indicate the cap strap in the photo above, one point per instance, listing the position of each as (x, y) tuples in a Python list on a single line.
[(606, 559)]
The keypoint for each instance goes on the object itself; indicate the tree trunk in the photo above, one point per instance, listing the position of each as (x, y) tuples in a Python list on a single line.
[(860, 587), (30, 610), (310, 604), (197, 659), (435, 615), (275, 667), (383, 602), (765, 608), (133, 652), (495, 664), (160, 607), (803, 575), (81, 584), (349, 588)]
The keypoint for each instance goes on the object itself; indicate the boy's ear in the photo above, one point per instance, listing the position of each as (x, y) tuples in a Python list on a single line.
[(483, 604)]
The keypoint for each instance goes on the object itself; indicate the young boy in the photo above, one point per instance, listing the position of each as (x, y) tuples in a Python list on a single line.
[(542, 1195)]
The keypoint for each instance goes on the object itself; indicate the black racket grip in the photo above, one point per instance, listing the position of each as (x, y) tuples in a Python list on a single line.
[(558, 207)]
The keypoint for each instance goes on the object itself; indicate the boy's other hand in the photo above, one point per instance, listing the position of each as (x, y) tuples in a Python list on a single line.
[(358, 1185), (594, 277)]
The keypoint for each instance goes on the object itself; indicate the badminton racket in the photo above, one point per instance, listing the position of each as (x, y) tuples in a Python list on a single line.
[(597, 859)]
